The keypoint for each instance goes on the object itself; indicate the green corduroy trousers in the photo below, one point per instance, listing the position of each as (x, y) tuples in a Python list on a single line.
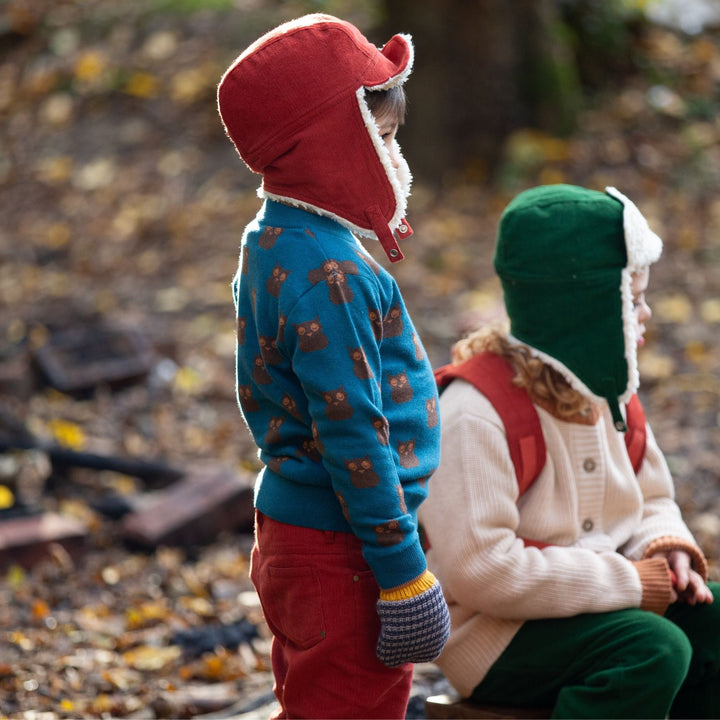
[(625, 664)]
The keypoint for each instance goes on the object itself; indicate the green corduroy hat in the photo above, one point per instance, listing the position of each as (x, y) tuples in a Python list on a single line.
[(565, 256)]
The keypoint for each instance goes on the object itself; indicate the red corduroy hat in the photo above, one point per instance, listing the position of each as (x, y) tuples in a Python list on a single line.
[(294, 106)]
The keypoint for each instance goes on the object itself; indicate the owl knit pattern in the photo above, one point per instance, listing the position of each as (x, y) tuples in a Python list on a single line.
[(335, 388)]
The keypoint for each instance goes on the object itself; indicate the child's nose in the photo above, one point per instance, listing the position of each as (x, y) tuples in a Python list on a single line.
[(394, 159)]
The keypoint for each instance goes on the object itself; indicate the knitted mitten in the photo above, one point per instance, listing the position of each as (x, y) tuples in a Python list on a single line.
[(415, 622)]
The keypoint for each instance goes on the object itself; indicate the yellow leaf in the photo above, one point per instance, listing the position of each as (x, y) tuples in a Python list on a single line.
[(147, 614), (7, 498), (675, 308), (142, 85), (551, 176), (67, 434), (103, 703), (58, 236), (198, 605), (187, 380), (148, 657), (22, 641), (710, 310), (188, 85), (54, 170), (90, 65), (655, 367), (15, 576)]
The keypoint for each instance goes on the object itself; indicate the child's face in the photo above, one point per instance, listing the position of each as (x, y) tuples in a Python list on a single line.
[(641, 309), (388, 126), (388, 130)]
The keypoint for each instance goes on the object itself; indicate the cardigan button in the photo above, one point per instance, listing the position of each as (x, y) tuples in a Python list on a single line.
[(588, 525), (589, 465)]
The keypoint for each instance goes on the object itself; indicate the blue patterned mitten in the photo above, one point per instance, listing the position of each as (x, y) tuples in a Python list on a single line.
[(414, 627)]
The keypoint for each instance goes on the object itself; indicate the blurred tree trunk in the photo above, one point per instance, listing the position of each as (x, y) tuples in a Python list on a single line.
[(482, 69)]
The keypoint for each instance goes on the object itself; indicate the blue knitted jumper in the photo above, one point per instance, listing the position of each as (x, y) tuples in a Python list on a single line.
[(335, 387)]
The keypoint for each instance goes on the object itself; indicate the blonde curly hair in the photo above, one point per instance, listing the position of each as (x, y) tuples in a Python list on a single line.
[(545, 385)]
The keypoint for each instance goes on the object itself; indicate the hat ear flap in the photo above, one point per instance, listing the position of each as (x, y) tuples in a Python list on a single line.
[(400, 53), (644, 247)]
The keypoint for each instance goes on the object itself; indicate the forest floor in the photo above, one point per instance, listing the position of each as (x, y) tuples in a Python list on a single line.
[(123, 204)]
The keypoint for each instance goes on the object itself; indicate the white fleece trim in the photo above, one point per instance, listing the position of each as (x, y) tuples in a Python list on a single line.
[(403, 76), (403, 173), (644, 247), (363, 232), (630, 334)]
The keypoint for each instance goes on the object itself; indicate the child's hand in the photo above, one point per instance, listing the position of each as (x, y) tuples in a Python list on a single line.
[(416, 628), (688, 585)]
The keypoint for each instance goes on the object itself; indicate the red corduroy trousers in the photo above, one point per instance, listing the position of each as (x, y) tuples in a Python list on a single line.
[(319, 599)]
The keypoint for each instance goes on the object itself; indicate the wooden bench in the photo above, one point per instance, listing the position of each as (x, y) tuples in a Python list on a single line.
[(453, 707)]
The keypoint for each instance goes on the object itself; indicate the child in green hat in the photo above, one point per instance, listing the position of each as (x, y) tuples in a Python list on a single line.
[(572, 580)]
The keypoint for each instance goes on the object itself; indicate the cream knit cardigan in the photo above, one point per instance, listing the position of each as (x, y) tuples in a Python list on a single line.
[(587, 502)]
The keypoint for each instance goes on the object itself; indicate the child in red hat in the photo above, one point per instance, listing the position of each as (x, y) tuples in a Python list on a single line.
[(332, 378)]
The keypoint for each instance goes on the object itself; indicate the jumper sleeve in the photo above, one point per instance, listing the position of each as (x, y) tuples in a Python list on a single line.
[(472, 517), (662, 527)]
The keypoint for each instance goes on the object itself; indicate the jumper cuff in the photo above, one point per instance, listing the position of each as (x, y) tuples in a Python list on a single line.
[(656, 584), (669, 543), (410, 590)]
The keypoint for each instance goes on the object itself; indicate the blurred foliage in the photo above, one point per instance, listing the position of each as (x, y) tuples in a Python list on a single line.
[(123, 200)]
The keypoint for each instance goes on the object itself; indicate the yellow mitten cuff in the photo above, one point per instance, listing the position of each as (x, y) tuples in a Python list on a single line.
[(409, 590)]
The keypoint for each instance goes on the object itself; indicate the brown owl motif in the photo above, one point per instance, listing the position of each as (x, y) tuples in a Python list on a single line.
[(241, 327), (406, 452), (273, 432), (401, 498), (361, 368), (269, 237), (432, 413), (247, 401), (335, 273), (376, 322), (307, 449), (382, 430), (274, 283), (369, 261), (419, 349), (423, 480), (289, 404), (393, 322), (269, 350), (276, 463), (260, 374), (310, 335), (344, 506), (362, 472), (401, 390), (316, 437), (337, 406), (389, 533), (244, 260), (282, 323)]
